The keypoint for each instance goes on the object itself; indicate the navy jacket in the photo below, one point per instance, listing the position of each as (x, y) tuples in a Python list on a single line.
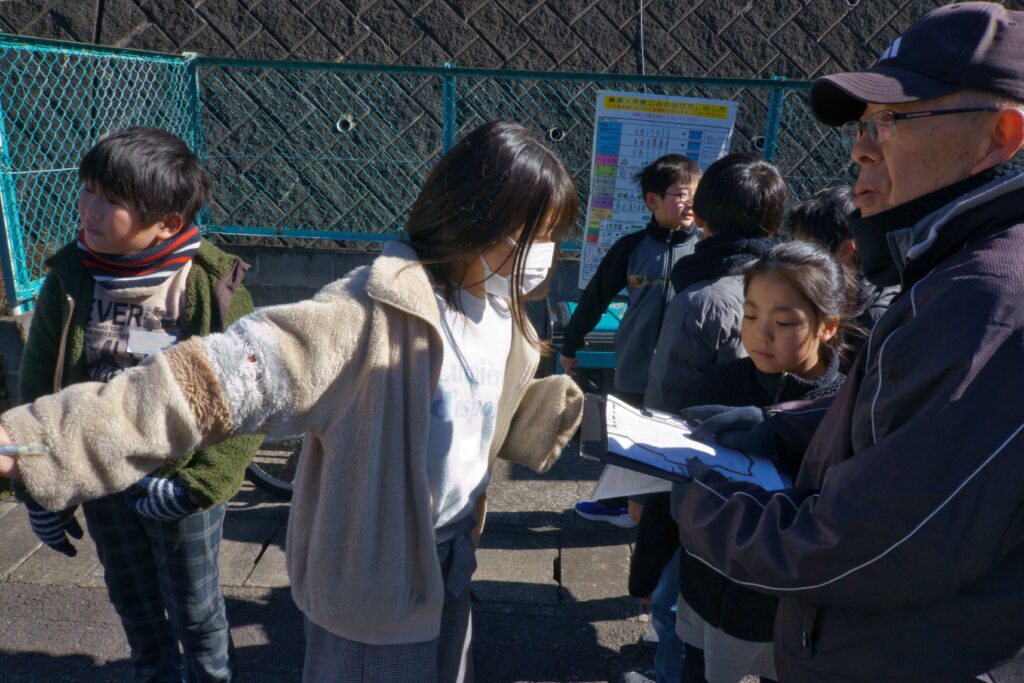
[(641, 263), (899, 552)]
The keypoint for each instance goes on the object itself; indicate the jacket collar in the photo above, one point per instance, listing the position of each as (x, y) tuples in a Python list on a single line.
[(715, 257), (795, 387), (663, 235), (399, 280), (942, 226), (921, 245)]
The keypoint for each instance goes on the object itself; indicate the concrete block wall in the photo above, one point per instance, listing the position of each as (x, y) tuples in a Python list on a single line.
[(742, 38)]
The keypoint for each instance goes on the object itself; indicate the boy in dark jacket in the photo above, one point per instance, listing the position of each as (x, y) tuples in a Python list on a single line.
[(641, 263), (139, 278), (739, 204)]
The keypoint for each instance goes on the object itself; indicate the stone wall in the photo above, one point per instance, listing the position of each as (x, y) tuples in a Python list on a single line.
[(793, 38)]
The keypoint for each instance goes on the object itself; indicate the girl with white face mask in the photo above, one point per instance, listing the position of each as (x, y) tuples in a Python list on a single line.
[(410, 375), (536, 265)]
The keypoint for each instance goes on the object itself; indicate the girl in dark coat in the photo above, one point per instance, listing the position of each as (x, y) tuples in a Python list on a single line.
[(796, 299)]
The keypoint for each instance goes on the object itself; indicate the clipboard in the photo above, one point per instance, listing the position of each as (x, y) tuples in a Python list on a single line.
[(659, 444), (594, 442)]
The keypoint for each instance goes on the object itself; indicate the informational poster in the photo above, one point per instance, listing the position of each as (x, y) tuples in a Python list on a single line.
[(630, 131)]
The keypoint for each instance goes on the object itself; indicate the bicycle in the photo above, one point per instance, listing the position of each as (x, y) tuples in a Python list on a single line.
[(273, 468)]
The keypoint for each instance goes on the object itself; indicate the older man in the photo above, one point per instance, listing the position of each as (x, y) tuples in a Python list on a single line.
[(899, 553)]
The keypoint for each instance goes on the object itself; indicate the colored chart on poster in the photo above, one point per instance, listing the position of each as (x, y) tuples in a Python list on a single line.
[(630, 131)]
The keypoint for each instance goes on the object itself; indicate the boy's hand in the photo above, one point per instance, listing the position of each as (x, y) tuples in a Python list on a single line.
[(158, 498), (53, 528), (568, 364)]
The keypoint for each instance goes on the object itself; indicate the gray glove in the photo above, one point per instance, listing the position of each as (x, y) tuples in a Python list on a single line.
[(739, 428)]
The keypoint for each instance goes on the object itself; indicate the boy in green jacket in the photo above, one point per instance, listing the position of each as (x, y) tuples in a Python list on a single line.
[(138, 279)]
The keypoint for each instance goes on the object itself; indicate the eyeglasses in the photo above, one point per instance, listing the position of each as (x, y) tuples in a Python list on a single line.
[(681, 197), (881, 125)]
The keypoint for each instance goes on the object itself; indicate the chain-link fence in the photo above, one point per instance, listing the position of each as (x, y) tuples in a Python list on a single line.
[(310, 150)]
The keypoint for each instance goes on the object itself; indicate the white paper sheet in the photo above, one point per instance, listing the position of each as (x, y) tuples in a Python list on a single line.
[(616, 482), (661, 440)]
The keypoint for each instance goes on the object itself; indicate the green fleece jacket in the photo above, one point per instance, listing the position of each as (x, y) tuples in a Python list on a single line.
[(53, 358)]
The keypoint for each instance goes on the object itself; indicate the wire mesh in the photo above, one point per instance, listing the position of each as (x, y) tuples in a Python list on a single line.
[(320, 150), (306, 151), (343, 153), (55, 104)]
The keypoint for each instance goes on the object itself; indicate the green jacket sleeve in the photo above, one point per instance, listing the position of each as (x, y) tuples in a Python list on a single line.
[(214, 474), (39, 359)]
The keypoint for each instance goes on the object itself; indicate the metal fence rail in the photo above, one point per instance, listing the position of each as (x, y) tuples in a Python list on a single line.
[(312, 150)]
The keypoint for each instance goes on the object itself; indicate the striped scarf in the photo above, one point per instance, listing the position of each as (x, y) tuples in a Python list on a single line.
[(143, 269)]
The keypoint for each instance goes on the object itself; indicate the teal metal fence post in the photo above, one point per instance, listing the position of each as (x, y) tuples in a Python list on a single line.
[(195, 119), (771, 126), (448, 109), (10, 246)]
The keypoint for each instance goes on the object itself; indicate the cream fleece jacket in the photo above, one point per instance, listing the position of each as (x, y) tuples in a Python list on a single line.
[(354, 368)]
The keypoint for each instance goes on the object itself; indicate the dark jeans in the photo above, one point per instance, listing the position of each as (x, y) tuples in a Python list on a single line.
[(163, 579)]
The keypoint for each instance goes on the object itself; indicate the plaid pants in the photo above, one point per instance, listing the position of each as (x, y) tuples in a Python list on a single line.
[(446, 659), (163, 579)]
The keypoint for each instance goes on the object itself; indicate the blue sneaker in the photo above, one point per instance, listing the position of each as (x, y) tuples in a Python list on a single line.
[(599, 512)]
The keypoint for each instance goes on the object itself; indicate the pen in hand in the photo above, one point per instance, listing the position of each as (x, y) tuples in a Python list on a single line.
[(18, 451)]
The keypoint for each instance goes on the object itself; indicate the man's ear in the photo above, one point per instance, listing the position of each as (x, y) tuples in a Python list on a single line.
[(172, 225), (649, 199), (1005, 139)]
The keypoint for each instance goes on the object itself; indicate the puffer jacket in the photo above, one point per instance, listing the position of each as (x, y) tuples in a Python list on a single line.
[(702, 323), (899, 552)]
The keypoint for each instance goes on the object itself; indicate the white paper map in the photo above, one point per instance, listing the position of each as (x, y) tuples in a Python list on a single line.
[(662, 441)]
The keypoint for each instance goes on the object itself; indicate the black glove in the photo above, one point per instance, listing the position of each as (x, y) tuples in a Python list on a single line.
[(739, 428), (53, 528)]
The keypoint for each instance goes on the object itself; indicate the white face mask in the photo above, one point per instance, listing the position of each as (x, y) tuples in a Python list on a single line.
[(535, 270)]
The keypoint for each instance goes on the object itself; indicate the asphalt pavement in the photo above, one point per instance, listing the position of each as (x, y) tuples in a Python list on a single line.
[(550, 592)]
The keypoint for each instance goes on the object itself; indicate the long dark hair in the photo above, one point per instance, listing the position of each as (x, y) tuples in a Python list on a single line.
[(819, 278), (497, 179)]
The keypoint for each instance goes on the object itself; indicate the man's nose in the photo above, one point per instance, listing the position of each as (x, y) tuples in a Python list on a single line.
[(865, 150)]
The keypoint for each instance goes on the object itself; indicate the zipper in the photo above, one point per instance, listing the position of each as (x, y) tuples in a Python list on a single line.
[(778, 389), (58, 373), (666, 274)]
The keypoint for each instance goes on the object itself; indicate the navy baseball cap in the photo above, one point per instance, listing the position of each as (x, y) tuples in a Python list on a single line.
[(964, 46)]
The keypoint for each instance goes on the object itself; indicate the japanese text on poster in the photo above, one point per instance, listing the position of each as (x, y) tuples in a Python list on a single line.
[(630, 131)]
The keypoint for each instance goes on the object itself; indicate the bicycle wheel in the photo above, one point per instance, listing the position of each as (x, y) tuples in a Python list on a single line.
[(273, 468)]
